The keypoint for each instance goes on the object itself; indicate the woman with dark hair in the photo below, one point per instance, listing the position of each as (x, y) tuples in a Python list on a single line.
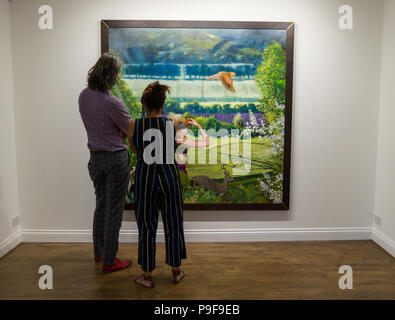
[(157, 185), (107, 122)]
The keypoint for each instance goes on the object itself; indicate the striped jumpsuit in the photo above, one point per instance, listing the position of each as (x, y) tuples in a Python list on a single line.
[(158, 187)]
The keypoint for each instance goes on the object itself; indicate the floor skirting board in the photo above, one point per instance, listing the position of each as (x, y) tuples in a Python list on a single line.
[(383, 241), (10, 243), (211, 235)]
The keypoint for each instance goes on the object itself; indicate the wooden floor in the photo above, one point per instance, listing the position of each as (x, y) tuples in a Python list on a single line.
[(266, 270)]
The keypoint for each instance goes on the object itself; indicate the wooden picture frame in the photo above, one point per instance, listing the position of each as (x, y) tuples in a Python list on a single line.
[(289, 27)]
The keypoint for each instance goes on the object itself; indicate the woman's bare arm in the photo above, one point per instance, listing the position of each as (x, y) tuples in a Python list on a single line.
[(130, 135), (193, 143)]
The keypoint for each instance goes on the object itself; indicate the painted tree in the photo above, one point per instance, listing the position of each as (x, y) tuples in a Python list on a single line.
[(123, 92), (270, 79), (173, 106)]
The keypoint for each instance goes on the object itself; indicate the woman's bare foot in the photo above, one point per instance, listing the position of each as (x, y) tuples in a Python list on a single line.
[(145, 281), (177, 275)]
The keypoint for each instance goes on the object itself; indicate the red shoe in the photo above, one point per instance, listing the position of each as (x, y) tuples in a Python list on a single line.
[(118, 265), (98, 258)]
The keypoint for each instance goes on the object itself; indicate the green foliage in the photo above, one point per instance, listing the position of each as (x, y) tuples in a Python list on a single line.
[(153, 69), (226, 108), (245, 108), (212, 123), (184, 178), (270, 79), (209, 123), (239, 193), (214, 108), (187, 115), (239, 122), (133, 158), (203, 121), (173, 106), (123, 92), (194, 107), (244, 193), (200, 195), (271, 181)]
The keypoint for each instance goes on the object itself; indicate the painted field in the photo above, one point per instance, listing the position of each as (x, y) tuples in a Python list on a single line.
[(214, 171)]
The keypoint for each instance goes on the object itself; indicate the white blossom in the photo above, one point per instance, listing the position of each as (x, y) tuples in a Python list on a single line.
[(271, 184)]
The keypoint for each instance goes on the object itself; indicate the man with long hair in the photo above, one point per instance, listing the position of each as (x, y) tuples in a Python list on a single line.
[(107, 122)]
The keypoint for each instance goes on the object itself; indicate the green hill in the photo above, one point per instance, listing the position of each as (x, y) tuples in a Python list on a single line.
[(181, 46)]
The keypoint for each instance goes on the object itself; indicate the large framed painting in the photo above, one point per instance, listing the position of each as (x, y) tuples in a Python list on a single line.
[(234, 80)]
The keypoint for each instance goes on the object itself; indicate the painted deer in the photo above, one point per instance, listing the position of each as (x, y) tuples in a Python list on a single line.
[(214, 186)]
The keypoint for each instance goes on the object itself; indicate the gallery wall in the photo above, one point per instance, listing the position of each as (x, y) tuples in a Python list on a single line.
[(335, 117), (384, 222), (9, 207)]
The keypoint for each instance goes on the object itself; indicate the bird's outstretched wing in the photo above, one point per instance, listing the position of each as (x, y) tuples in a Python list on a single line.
[(215, 76)]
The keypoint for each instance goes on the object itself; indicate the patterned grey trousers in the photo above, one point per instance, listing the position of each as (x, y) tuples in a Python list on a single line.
[(110, 176)]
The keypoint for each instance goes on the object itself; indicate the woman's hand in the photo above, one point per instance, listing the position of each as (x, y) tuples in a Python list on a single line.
[(206, 139), (193, 122)]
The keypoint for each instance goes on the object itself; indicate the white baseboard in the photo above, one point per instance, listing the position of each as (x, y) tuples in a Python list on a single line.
[(10, 243), (212, 235), (383, 241)]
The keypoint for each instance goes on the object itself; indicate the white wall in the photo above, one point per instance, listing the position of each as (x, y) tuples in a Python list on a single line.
[(336, 96), (384, 234), (9, 207)]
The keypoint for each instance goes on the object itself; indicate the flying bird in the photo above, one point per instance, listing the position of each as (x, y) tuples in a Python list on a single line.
[(226, 78)]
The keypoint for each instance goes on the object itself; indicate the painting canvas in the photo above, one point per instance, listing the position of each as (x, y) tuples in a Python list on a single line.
[(235, 80)]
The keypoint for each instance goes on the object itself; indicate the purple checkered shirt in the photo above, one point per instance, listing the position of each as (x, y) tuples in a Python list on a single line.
[(104, 116)]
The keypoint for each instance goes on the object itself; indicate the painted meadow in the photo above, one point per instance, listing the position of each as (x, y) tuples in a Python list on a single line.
[(225, 79)]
